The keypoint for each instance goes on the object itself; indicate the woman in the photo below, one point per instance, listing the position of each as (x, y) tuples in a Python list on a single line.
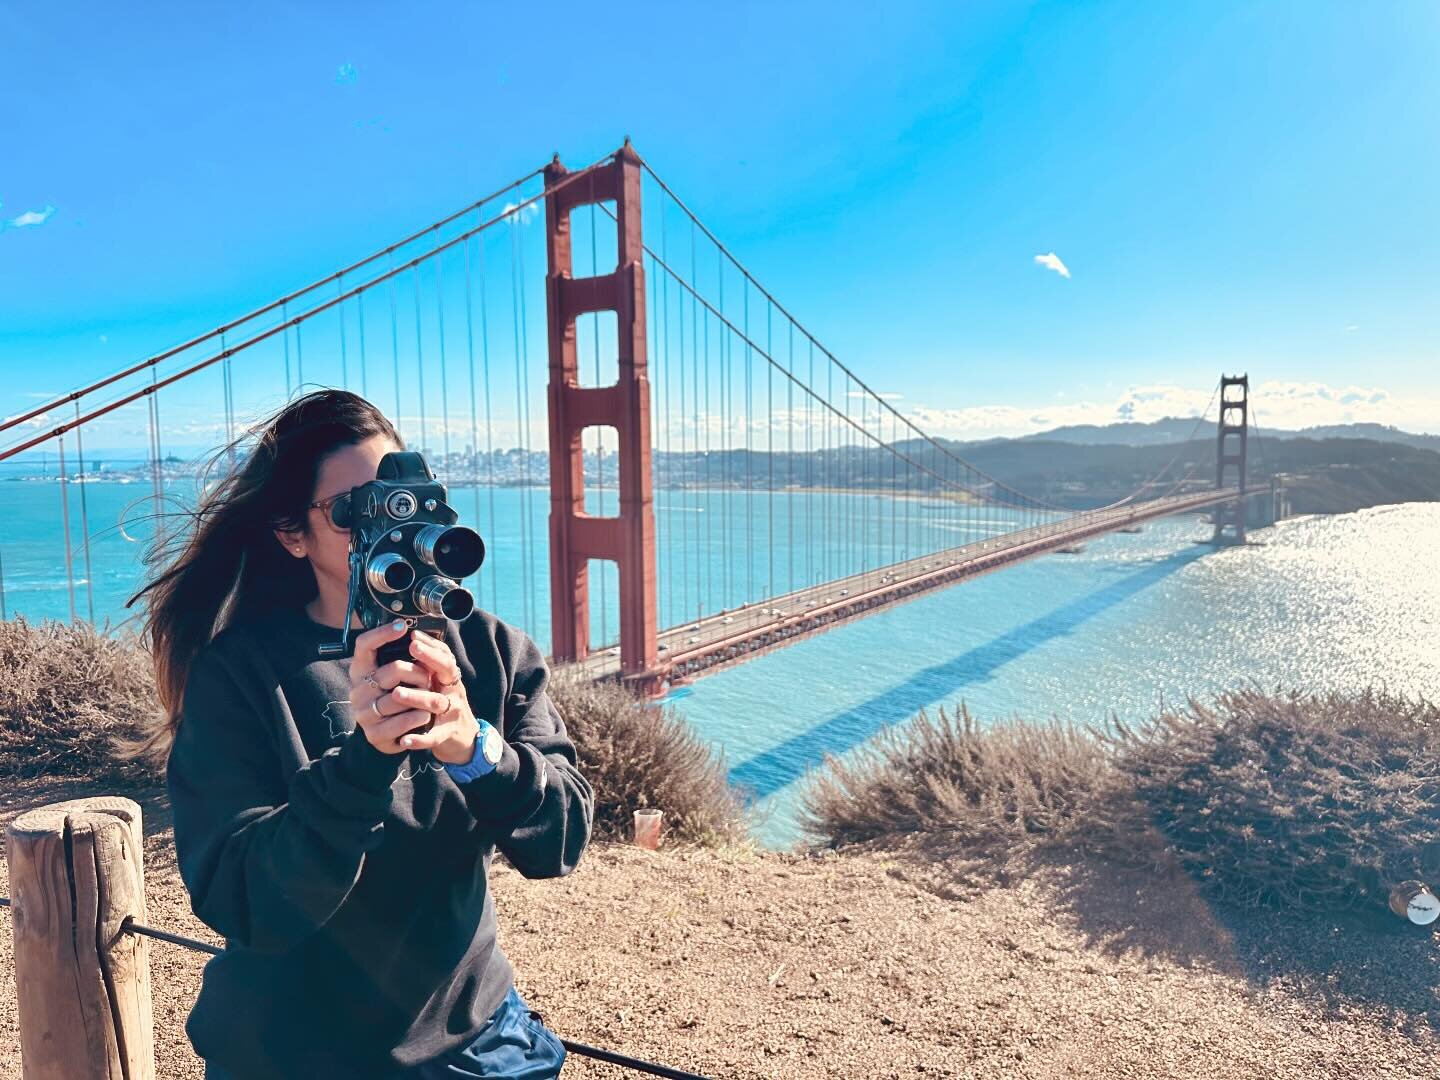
[(345, 861)]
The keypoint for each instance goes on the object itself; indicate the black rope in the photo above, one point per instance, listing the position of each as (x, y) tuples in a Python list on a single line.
[(638, 1064)]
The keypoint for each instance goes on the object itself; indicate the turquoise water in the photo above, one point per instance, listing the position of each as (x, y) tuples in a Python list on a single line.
[(1132, 623)]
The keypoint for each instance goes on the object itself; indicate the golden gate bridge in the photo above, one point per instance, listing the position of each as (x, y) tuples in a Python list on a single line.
[(797, 496)]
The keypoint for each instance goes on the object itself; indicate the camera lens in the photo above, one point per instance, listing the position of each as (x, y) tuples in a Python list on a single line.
[(390, 573), (442, 598), (454, 550)]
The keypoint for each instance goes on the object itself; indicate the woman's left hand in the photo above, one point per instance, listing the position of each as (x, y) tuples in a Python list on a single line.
[(451, 736)]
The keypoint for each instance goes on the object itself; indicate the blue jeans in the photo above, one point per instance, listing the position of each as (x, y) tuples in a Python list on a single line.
[(513, 1045)]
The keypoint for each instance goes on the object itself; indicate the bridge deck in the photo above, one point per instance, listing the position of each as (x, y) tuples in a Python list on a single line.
[(732, 636)]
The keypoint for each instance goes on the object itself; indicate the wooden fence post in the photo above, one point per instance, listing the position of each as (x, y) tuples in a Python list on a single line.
[(83, 986)]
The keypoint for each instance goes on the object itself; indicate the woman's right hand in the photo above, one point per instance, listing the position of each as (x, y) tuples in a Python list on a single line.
[(369, 685)]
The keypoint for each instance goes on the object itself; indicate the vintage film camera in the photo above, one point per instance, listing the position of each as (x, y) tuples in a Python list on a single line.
[(407, 555)]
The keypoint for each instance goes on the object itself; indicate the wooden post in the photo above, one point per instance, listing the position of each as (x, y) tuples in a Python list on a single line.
[(83, 986)]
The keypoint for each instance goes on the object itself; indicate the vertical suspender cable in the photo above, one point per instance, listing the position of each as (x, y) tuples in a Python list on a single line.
[(710, 551), (535, 530), (722, 341), (664, 328), (523, 492), (810, 578), (285, 334), (474, 457), (702, 567), (84, 518), (395, 347), (155, 448), (419, 363), (749, 454), (444, 377), (790, 462), (687, 457), (340, 313), (770, 441), (226, 392), (360, 317), (652, 364), (65, 517), (489, 421), (299, 357), (831, 475)]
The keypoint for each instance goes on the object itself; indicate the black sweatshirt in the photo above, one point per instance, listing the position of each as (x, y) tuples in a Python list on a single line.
[(351, 886)]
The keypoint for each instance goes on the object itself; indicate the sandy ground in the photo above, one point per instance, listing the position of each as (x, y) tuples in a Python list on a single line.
[(893, 964)]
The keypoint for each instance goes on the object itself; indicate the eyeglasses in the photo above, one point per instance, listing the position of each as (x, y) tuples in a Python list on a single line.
[(336, 510)]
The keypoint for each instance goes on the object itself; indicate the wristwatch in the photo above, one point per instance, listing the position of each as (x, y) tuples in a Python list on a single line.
[(489, 748)]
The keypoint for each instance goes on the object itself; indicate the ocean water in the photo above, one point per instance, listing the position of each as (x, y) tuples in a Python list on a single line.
[(1130, 624)]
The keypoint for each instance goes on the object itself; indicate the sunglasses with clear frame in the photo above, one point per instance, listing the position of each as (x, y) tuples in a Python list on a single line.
[(336, 510)]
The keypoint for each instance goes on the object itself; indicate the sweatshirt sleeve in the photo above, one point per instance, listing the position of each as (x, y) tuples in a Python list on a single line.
[(535, 802), (267, 861)]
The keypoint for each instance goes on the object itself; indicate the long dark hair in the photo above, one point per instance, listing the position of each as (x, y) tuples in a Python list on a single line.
[(226, 565)]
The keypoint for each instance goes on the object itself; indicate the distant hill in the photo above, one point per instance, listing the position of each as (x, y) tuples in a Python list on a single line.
[(1176, 429), (1324, 476)]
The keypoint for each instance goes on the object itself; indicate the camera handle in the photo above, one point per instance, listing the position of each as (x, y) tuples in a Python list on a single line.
[(328, 649), (399, 649)]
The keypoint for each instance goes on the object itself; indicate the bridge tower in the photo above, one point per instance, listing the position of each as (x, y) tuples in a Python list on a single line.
[(575, 536), (1230, 456)]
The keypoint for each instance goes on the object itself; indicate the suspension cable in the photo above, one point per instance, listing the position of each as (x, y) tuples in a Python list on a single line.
[(266, 334), (280, 303)]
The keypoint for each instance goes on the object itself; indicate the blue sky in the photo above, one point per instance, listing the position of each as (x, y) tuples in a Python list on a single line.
[(1237, 186)]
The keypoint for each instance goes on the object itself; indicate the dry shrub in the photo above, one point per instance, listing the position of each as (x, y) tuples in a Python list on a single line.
[(67, 689), (637, 755), (1011, 785), (68, 692), (1303, 801)]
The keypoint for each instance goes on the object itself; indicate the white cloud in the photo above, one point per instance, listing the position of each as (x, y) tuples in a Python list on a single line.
[(1275, 404), (525, 214), (29, 218), (884, 395), (1351, 328), (1051, 261), (39, 423)]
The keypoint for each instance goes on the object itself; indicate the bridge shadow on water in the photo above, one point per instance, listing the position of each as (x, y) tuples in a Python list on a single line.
[(767, 773)]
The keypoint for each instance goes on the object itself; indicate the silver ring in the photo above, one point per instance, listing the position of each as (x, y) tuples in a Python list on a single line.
[(375, 705)]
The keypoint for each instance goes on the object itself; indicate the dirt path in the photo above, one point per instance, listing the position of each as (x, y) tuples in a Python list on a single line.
[(886, 964)]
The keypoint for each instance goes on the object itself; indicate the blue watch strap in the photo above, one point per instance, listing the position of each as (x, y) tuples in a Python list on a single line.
[(478, 765)]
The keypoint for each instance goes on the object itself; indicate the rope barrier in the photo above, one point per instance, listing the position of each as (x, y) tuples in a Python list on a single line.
[(637, 1064)]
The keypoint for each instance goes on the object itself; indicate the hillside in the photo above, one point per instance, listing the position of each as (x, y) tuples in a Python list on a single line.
[(892, 963)]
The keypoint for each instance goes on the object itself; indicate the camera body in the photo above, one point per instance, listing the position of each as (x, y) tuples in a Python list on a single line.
[(407, 554)]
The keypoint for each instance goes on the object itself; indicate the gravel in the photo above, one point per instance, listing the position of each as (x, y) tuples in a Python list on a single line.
[(896, 961)]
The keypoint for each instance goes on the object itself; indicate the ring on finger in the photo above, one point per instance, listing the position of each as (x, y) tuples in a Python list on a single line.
[(375, 706)]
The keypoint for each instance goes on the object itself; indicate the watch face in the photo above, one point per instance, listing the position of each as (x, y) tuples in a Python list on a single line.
[(492, 746)]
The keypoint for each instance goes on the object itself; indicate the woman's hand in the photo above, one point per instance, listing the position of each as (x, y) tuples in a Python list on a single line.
[(452, 737), (391, 702)]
